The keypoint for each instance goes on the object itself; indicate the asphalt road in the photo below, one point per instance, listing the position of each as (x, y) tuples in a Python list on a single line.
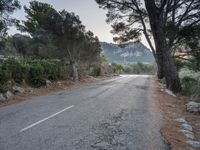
[(115, 114)]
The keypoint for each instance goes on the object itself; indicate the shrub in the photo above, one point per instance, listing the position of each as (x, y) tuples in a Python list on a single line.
[(96, 71), (117, 68), (188, 85), (3, 88), (4, 76), (34, 72), (35, 75), (140, 68), (51, 68), (196, 92), (190, 81), (163, 81), (40, 70), (37, 82), (14, 69)]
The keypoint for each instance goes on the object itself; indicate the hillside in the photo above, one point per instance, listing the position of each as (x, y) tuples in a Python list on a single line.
[(129, 53)]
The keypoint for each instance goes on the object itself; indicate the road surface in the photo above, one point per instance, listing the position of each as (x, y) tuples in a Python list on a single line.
[(115, 114)]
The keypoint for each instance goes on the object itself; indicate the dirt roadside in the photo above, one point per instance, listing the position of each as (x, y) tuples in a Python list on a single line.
[(31, 93), (172, 108)]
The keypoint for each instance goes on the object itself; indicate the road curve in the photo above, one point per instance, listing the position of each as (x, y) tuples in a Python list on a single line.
[(115, 114)]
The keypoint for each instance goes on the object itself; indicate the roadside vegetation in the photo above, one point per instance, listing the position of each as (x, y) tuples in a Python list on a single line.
[(139, 68), (54, 46), (190, 80), (31, 72)]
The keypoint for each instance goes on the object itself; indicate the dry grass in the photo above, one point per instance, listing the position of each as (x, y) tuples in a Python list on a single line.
[(172, 108)]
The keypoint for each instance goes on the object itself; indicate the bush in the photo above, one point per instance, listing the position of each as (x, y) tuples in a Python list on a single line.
[(37, 82), (51, 68), (140, 68), (163, 81), (14, 69), (36, 75), (4, 76), (34, 72), (190, 81), (40, 70), (3, 88), (96, 71), (188, 85), (117, 68), (196, 92)]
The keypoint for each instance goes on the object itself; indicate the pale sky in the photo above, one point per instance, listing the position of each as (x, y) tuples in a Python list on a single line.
[(90, 14)]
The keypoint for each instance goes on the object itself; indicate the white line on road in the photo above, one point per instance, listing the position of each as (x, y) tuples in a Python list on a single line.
[(49, 117)]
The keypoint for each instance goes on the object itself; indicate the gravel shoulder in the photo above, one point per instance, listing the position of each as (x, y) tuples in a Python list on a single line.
[(31, 93), (172, 108)]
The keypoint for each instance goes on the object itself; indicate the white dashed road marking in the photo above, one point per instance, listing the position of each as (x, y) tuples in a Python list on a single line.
[(49, 117)]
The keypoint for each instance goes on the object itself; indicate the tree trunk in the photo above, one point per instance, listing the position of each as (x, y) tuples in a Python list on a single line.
[(160, 71), (165, 60), (75, 71)]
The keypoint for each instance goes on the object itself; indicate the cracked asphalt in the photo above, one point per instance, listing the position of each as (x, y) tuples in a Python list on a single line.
[(115, 114)]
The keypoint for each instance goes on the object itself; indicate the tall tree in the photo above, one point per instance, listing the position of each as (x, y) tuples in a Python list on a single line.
[(7, 7), (163, 50), (161, 19), (64, 30)]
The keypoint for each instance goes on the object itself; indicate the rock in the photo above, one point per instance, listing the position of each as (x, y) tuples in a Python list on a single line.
[(170, 92), (193, 107), (2, 98), (48, 83), (30, 90), (186, 132), (17, 89), (187, 127), (8, 95), (194, 144), (59, 83), (162, 90), (189, 136), (181, 120)]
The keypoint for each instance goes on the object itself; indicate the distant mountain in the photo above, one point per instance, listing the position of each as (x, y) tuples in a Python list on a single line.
[(129, 53)]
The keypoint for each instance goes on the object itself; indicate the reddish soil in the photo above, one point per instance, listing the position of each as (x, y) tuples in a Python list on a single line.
[(172, 108)]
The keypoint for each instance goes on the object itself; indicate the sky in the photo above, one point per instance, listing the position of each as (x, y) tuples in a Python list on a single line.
[(90, 14)]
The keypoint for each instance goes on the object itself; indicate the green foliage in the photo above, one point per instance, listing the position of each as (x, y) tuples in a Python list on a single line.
[(60, 31), (34, 72), (50, 69), (190, 81), (7, 7), (96, 71), (179, 64), (103, 59), (117, 68), (3, 88), (140, 68), (40, 70), (14, 69), (38, 15), (4, 76), (37, 82), (162, 81), (188, 85)]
